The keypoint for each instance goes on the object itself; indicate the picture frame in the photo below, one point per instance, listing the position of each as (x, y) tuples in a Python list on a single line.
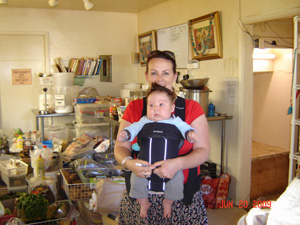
[(205, 37), (147, 43)]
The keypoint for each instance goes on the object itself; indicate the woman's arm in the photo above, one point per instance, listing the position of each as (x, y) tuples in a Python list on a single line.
[(195, 158), (123, 150)]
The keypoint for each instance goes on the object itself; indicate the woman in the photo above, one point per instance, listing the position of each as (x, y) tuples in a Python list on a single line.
[(161, 69)]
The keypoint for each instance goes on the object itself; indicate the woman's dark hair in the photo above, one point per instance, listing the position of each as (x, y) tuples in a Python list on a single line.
[(163, 55), (156, 87)]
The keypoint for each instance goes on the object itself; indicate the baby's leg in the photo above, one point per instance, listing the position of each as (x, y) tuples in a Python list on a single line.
[(145, 205), (167, 203)]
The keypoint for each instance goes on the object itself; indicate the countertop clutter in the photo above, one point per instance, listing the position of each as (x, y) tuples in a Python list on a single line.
[(61, 182), (70, 169)]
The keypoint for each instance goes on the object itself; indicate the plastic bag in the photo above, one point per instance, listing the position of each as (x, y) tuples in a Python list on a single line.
[(81, 145), (215, 191), (109, 195), (89, 92)]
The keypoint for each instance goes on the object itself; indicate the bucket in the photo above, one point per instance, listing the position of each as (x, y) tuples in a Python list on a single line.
[(200, 96), (63, 79), (63, 99)]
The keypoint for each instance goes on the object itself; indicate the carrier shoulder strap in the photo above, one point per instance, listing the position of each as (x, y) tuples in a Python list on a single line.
[(179, 107)]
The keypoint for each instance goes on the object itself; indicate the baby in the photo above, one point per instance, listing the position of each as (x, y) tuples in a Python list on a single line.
[(160, 106)]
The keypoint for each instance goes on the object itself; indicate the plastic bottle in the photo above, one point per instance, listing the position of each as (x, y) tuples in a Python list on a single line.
[(211, 110), (20, 143), (113, 110), (33, 138), (40, 167)]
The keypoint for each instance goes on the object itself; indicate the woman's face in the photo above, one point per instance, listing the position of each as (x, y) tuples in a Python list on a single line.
[(160, 71)]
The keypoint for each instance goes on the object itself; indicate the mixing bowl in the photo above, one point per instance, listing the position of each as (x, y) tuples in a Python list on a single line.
[(194, 83)]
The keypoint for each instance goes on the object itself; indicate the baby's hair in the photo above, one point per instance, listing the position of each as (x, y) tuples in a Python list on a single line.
[(156, 87)]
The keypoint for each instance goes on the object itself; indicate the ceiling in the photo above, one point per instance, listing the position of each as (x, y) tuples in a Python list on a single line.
[(128, 6)]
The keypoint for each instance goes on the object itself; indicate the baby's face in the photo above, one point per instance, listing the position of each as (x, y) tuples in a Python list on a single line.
[(159, 106)]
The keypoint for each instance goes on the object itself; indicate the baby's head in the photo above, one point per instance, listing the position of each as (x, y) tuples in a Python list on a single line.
[(160, 102)]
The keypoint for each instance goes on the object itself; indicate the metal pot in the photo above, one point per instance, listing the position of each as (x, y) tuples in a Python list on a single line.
[(200, 96), (194, 83)]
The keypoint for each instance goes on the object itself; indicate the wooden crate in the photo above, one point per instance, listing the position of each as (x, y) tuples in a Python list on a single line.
[(269, 174)]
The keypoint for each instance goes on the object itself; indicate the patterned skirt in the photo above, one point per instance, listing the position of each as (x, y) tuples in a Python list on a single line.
[(194, 214)]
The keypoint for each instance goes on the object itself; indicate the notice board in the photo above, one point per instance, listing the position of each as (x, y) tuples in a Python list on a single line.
[(175, 39)]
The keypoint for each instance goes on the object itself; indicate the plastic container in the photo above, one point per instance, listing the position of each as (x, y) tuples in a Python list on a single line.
[(13, 172), (91, 112), (92, 129), (63, 79), (13, 167), (59, 132), (14, 181), (63, 98)]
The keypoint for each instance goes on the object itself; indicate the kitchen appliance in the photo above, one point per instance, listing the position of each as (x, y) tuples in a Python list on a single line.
[(200, 96)]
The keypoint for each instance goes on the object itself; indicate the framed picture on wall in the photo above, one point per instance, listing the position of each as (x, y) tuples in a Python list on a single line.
[(147, 43), (205, 37)]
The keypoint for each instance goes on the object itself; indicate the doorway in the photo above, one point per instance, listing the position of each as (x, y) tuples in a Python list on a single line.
[(21, 50), (272, 81)]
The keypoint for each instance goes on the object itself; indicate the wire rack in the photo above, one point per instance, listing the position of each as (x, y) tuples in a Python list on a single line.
[(78, 191)]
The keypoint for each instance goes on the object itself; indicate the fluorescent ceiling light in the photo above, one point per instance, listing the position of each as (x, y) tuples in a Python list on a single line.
[(53, 3), (88, 4), (3, 2)]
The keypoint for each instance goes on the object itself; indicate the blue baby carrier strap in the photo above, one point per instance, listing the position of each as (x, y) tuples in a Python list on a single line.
[(159, 141)]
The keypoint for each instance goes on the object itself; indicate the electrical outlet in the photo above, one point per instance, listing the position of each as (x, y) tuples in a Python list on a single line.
[(261, 43)]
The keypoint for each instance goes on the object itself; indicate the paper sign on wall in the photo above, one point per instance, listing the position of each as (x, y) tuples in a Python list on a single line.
[(21, 76)]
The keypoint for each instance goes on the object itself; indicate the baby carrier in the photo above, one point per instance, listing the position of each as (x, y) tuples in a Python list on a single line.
[(159, 141), (193, 182)]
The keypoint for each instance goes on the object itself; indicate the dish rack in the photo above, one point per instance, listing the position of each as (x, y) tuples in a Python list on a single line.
[(78, 191)]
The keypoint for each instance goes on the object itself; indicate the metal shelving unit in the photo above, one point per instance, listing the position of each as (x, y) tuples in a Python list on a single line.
[(295, 121)]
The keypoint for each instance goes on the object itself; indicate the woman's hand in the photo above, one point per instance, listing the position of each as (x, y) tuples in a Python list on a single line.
[(139, 167), (166, 168)]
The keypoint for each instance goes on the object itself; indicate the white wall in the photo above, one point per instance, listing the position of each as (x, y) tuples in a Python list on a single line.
[(80, 34), (271, 100)]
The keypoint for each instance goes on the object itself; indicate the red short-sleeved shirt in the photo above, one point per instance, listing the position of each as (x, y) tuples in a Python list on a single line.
[(193, 110)]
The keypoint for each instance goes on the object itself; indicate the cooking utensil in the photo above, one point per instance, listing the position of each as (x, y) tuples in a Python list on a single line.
[(197, 84), (200, 96), (63, 211)]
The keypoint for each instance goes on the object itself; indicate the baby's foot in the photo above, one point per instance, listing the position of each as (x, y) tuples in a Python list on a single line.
[(144, 209), (167, 207)]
